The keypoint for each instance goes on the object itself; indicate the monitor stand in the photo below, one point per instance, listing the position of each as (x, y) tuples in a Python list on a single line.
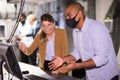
[(1, 69)]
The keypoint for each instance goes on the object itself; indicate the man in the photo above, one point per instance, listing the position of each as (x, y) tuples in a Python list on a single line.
[(36, 27), (92, 44), (34, 22), (23, 33)]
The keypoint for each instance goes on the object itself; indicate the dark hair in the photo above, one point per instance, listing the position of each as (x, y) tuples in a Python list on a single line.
[(23, 15), (77, 5), (47, 17)]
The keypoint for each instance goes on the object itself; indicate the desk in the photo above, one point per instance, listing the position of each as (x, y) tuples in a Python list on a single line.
[(39, 72)]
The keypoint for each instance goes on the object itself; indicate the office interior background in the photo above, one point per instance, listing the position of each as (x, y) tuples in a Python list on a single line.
[(105, 11)]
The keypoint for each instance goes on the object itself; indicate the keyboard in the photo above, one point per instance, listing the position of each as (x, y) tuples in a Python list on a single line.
[(33, 77)]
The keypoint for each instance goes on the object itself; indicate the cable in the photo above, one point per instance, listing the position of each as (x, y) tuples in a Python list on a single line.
[(17, 22), (8, 76), (12, 77)]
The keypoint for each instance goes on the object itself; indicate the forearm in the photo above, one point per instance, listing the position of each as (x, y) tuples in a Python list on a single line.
[(27, 52), (29, 35), (68, 58), (85, 64), (33, 46), (23, 48)]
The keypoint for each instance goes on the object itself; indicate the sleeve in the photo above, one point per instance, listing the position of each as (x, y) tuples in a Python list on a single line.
[(64, 44), (75, 54), (33, 46), (101, 44), (75, 51)]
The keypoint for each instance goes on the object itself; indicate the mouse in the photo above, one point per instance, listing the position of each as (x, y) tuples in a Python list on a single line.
[(25, 72)]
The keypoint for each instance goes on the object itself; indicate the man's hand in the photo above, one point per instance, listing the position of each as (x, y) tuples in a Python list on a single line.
[(55, 72), (70, 66), (57, 62)]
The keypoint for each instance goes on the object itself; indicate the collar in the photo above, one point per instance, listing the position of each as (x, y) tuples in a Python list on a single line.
[(84, 27)]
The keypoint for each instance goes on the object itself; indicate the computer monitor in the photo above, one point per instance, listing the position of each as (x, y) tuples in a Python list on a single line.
[(9, 61)]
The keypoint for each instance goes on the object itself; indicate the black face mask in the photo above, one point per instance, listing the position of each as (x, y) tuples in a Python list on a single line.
[(23, 22), (72, 22)]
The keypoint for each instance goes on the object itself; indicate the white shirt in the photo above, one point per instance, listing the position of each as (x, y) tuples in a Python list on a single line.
[(94, 42), (50, 50), (24, 30)]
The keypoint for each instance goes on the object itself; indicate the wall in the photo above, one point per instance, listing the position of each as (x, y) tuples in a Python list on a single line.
[(6, 10), (102, 7)]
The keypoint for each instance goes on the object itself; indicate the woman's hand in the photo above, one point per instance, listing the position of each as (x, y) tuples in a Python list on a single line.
[(22, 46)]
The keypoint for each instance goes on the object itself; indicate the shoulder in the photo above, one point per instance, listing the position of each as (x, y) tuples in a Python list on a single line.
[(58, 30), (95, 26)]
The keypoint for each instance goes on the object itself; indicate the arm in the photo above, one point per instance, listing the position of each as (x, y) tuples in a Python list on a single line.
[(29, 35), (85, 64), (71, 65), (23, 35), (29, 50), (57, 61), (33, 46), (68, 58), (101, 44)]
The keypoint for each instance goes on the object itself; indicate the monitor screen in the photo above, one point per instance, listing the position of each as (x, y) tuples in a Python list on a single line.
[(7, 54), (2, 31)]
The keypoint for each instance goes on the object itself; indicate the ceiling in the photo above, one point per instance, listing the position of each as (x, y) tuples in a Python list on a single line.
[(31, 1)]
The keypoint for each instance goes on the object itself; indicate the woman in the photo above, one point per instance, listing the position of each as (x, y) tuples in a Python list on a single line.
[(51, 41)]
